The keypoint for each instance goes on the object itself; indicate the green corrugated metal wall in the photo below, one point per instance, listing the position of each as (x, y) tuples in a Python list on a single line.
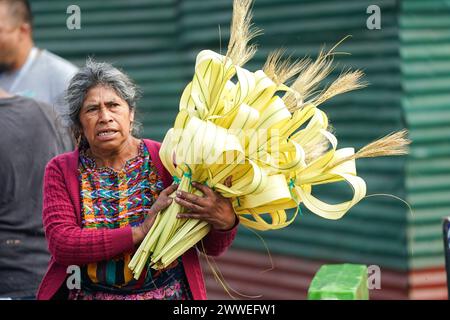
[(156, 41), (425, 53)]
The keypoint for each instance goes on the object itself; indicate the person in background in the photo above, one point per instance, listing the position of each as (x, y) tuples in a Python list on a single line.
[(28, 140), (27, 70)]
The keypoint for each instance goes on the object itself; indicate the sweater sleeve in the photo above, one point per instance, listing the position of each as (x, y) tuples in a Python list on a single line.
[(67, 241)]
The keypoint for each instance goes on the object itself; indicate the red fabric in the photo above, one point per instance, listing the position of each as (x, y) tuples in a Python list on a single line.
[(69, 244)]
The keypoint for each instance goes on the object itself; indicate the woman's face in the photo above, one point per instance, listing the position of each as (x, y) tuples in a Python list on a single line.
[(105, 119)]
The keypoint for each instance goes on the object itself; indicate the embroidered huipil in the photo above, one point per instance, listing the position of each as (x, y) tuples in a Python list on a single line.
[(111, 199)]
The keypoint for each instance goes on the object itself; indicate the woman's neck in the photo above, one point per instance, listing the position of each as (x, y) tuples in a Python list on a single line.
[(116, 159)]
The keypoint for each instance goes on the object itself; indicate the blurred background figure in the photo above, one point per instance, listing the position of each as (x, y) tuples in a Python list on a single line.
[(28, 140), (25, 69)]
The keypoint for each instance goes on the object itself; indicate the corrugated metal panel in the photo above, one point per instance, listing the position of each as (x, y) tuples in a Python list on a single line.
[(425, 44), (429, 283)]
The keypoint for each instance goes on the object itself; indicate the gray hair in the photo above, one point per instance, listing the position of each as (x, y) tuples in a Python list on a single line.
[(91, 75)]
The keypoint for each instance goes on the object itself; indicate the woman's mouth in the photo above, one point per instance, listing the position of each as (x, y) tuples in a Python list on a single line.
[(106, 134)]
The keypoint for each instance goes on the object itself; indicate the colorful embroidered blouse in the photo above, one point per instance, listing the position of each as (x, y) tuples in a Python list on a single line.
[(111, 199)]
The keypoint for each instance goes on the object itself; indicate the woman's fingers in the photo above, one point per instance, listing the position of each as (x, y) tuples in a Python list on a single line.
[(170, 189), (200, 201), (167, 202), (191, 215), (188, 205), (228, 181), (164, 200), (161, 203), (207, 191)]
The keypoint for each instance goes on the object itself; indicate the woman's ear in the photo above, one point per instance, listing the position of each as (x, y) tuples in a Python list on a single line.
[(79, 137), (132, 116)]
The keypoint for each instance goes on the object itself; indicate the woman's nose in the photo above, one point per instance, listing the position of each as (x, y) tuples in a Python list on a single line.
[(104, 115)]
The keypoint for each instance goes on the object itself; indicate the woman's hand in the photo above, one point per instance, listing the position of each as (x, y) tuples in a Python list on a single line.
[(163, 201), (211, 207)]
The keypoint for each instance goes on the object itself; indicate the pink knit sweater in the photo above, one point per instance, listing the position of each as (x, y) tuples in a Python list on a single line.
[(69, 244)]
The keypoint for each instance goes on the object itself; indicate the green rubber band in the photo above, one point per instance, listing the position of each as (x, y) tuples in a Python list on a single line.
[(292, 186), (176, 179), (187, 175)]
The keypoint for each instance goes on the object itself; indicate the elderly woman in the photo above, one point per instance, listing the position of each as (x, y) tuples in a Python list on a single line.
[(101, 200)]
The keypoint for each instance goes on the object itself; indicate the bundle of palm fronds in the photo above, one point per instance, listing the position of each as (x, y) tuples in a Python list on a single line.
[(233, 122)]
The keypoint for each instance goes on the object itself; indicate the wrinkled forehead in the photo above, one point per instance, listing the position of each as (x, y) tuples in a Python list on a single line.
[(101, 93)]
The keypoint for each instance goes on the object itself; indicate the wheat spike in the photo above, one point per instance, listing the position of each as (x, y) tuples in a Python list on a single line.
[(347, 81), (394, 144), (241, 33), (278, 70), (309, 79)]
